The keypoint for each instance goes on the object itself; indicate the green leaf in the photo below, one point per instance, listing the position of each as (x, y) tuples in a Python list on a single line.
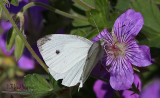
[(19, 47), (53, 82), (10, 39), (101, 17), (151, 15), (90, 3), (103, 6), (157, 1), (122, 4), (81, 31), (36, 84), (81, 28), (97, 18), (14, 2), (93, 33), (77, 22)]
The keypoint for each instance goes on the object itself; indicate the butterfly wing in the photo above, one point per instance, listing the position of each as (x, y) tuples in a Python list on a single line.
[(65, 55), (94, 55)]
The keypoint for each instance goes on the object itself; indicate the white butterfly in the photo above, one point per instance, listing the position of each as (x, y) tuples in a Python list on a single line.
[(69, 57)]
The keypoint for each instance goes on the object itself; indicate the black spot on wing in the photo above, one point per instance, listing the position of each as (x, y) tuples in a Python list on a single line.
[(57, 51)]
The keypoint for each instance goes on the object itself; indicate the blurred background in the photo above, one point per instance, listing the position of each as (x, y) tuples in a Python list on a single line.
[(16, 61)]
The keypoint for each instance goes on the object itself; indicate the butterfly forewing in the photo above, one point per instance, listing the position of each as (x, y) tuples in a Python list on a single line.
[(65, 55)]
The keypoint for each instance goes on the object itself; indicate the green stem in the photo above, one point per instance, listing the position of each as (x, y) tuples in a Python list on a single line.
[(22, 37), (83, 4), (53, 10)]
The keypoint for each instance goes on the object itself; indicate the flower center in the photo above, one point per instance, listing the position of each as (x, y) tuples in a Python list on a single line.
[(117, 49)]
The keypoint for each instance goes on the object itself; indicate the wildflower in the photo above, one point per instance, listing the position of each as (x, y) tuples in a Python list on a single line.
[(122, 51), (104, 90)]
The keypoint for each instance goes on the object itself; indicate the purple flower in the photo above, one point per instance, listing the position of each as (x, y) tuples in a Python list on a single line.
[(26, 61), (152, 90), (122, 51), (104, 90)]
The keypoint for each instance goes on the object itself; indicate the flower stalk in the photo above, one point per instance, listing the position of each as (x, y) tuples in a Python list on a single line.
[(53, 10)]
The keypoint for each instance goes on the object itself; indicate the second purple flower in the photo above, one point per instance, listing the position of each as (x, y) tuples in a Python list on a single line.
[(122, 51)]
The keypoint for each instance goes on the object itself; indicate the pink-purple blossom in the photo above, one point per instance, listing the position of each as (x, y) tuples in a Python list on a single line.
[(104, 90), (122, 51)]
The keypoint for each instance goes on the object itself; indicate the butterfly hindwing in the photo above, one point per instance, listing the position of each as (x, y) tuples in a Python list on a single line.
[(94, 55)]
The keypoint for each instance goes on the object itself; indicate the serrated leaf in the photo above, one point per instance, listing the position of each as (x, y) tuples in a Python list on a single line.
[(151, 15), (10, 39), (19, 47), (14, 2), (36, 84)]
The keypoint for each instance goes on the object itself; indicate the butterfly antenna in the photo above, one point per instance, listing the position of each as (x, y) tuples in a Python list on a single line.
[(94, 21)]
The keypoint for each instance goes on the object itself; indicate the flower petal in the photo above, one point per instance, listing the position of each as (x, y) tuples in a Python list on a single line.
[(138, 55), (108, 58), (121, 74), (128, 25), (105, 35), (26, 62), (3, 38), (102, 89), (131, 94)]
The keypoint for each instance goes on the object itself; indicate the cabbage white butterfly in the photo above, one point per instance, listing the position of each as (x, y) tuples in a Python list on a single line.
[(69, 57)]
